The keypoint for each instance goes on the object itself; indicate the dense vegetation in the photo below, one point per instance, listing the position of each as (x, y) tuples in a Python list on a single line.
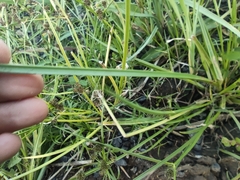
[(120, 68)]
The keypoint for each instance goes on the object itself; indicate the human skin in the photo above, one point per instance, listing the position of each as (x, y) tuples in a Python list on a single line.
[(19, 106)]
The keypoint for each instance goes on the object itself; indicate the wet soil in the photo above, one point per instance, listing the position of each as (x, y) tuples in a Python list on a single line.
[(211, 164)]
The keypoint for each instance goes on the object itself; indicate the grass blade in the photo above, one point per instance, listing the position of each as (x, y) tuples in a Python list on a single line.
[(30, 69)]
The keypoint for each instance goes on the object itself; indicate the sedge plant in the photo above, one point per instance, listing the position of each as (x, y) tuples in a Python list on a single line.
[(91, 76)]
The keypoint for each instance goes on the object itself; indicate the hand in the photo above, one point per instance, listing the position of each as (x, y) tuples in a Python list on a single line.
[(19, 108)]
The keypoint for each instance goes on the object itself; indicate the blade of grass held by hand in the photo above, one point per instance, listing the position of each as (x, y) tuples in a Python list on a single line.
[(31, 69)]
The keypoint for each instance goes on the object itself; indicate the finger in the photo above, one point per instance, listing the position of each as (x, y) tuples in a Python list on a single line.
[(9, 146), (19, 86), (5, 53), (16, 115)]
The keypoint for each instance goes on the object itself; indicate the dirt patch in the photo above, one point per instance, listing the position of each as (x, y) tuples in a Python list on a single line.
[(210, 165)]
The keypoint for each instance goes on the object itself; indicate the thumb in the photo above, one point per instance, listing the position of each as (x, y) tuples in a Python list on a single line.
[(9, 146), (5, 53)]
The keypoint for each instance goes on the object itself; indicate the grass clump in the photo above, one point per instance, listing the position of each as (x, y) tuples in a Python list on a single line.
[(119, 56)]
